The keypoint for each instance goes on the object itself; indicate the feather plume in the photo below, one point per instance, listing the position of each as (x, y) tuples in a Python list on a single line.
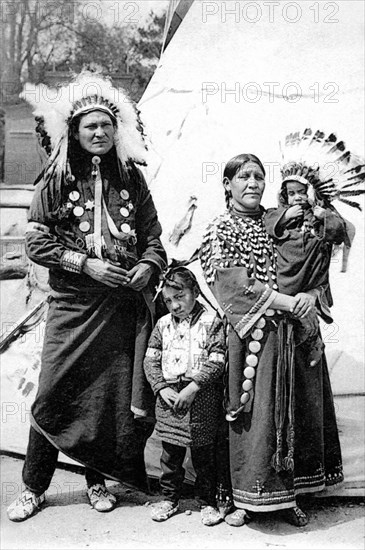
[(323, 162), (88, 91)]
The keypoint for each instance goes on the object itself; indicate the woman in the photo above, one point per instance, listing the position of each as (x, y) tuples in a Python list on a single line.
[(283, 436)]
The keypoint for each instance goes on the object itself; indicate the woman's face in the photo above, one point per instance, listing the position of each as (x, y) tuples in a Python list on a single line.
[(247, 186)]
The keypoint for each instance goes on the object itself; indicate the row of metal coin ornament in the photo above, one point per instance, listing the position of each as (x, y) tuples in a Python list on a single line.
[(249, 372), (79, 211)]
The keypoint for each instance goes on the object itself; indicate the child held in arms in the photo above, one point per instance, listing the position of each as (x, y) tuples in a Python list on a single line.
[(304, 234)]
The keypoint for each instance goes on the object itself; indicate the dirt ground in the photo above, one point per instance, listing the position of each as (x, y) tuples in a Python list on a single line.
[(68, 522)]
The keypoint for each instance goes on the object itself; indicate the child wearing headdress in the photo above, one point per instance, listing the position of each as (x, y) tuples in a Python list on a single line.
[(184, 364), (304, 234)]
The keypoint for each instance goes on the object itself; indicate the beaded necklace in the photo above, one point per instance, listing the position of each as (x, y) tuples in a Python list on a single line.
[(235, 240)]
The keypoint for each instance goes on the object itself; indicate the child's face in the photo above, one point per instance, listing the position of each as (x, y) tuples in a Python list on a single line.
[(180, 302), (297, 193)]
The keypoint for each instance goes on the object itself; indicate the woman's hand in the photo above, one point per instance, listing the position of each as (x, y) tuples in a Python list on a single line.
[(106, 272), (284, 302), (305, 303), (169, 396), (139, 276), (186, 397)]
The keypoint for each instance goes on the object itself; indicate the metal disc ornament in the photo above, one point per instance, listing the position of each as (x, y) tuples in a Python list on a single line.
[(84, 227), (78, 211), (125, 228), (252, 360), (254, 346), (249, 372), (257, 334), (124, 212), (124, 194), (74, 196), (245, 397), (247, 385), (260, 323)]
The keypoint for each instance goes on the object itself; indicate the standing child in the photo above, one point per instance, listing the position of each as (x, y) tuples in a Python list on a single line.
[(184, 364)]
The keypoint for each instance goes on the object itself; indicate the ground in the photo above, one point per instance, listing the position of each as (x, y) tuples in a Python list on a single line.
[(68, 522)]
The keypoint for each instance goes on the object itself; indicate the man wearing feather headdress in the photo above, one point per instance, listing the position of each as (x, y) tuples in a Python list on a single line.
[(93, 223)]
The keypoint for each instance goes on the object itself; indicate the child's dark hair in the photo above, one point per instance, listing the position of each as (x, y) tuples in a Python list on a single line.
[(234, 164), (179, 278), (283, 195)]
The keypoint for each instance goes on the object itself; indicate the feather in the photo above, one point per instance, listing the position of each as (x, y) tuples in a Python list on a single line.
[(88, 89), (183, 226), (350, 203), (332, 171)]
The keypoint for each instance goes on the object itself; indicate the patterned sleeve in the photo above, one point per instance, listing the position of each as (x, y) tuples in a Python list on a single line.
[(152, 361), (232, 279), (213, 367)]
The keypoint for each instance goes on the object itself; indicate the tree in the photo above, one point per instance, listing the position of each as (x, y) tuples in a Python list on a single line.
[(35, 33), (145, 51), (104, 46), (41, 34), (134, 51)]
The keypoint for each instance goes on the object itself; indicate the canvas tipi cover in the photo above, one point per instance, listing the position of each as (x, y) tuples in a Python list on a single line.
[(237, 77)]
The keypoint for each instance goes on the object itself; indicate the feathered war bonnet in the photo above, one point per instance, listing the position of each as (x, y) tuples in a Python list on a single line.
[(87, 92), (322, 162)]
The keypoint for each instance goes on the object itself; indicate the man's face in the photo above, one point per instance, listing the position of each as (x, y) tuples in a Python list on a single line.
[(96, 133)]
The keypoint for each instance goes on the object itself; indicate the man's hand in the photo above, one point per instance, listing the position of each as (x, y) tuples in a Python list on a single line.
[(105, 272), (294, 212), (169, 396), (139, 276), (186, 397), (306, 302)]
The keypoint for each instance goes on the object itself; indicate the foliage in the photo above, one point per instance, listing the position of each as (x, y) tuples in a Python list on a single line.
[(131, 51), (34, 36), (40, 36)]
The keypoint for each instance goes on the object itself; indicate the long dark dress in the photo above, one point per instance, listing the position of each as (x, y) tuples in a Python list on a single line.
[(283, 436), (92, 389)]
